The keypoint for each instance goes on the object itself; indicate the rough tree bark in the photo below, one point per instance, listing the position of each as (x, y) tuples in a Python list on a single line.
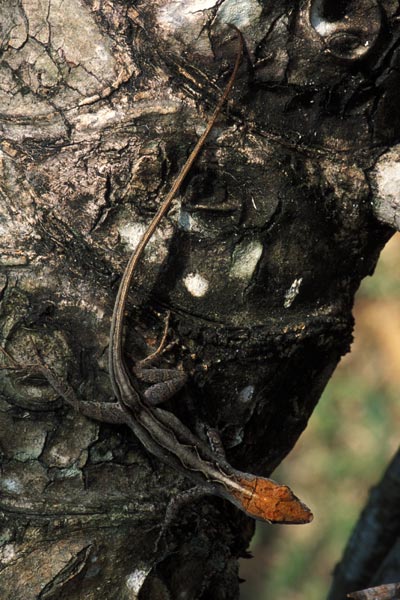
[(258, 262)]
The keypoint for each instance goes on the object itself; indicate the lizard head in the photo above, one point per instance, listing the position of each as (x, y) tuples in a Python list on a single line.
[(266, 500)]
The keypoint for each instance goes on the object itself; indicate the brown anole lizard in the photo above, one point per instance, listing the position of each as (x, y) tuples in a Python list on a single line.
[(160, 431)]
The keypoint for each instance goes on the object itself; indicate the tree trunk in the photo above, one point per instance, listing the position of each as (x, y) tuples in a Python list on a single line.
[(372, 555), (258, 262)]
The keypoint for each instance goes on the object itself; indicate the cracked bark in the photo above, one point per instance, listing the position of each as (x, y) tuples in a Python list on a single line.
[(283, 215)]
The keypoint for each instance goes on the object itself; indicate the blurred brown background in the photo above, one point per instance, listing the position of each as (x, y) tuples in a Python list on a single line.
[(349, 441)]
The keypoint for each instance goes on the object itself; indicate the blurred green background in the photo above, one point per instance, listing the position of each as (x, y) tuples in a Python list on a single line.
[(347, 445)]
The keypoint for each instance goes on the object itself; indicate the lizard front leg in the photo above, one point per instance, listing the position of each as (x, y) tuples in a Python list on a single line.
[(165, 382), (107, 412)]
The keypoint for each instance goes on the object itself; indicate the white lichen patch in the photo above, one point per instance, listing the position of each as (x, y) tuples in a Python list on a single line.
[(292, 292), (69, 473), (12, 486), (54, 458), (196, 284), (132, 233), (241, 13), (246, 394), (245, 259), (190, 222), (385, 180), (186, 20), (319, 22), (136, 579), (182, 23), (103, 117), (13, 260), (185, 221), (388, 179), (176, 14), (7, 553)]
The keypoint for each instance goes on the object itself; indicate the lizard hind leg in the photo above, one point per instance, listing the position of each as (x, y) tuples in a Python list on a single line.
[(108, 412), (165, 382)]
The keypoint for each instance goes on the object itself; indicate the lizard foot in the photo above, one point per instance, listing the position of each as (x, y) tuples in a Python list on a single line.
[(176, 503)]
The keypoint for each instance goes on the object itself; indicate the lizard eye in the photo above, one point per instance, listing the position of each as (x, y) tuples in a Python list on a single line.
[(349, 28)]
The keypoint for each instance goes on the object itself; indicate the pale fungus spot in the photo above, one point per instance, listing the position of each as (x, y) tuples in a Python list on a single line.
[(12, 485), (136, 579), (292, 292), (132, 233), (246, 394), (7, 553), (240, 12), (245, 259), (196, 284), (386, 185)]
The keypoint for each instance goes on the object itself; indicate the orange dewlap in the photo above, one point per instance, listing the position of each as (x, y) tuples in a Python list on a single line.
[(266, 500)]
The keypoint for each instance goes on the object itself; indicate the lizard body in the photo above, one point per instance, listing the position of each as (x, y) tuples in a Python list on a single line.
[(161, 432)]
